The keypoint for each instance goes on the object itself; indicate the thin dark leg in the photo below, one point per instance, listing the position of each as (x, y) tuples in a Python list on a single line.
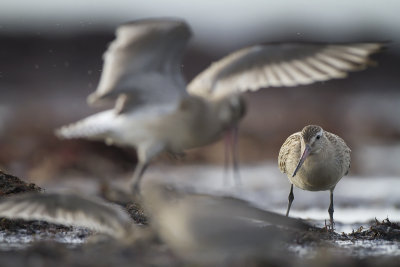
[(226, 159), (235, 156), (137, 177), (291, 198), (331, 210)]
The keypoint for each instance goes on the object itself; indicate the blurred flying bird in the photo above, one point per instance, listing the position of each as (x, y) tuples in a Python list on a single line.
[(314, 160), (157, 111), (197, 227)]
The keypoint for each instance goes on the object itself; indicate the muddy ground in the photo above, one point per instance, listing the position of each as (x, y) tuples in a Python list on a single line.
[(42, 244)]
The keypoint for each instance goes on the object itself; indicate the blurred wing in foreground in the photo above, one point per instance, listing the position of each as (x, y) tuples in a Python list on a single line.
[(210, 229), (277, 65), (67, 209), (246, 210), (143, 64)]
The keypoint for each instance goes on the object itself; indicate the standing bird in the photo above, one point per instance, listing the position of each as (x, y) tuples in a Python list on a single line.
[(314, 160), (154, 112)]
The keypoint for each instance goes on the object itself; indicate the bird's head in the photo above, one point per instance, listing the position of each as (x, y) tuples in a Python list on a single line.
[(312, 141)]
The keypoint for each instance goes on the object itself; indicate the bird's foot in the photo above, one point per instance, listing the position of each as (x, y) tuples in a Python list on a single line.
[(330, 227)]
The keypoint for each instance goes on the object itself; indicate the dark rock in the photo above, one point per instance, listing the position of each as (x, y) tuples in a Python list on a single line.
[(385, 230), (137, 214), (10, 184)]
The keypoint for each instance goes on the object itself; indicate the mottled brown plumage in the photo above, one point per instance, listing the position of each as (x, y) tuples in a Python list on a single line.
[(314, 160), (309, 131)]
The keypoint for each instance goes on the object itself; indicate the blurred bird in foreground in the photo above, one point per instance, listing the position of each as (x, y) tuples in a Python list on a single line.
[(314, 160), (197, 227), (157, 111)]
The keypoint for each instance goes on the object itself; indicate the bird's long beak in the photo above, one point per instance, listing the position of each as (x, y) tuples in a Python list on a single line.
[(306, 152)]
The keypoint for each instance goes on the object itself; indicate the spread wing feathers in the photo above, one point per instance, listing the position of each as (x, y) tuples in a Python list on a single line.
[(144, 62), (276, 65), (290, 147), (67, 209)]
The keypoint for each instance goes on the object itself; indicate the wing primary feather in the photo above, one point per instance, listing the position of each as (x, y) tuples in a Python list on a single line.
[(273, 76), (329, 70), (344, 55), (299, 76), (337, 62), (308, 69), (285, 77), (359, 49)]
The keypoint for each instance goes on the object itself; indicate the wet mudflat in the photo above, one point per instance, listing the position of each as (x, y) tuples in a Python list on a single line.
[(368, 243), (66, 246)]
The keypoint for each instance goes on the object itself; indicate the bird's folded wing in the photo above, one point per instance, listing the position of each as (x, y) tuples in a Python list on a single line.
[(143, 63), (67, 209), (291, 146), (277, 65)]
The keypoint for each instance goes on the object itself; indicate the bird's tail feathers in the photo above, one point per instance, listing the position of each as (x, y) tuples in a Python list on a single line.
[(94, 127)]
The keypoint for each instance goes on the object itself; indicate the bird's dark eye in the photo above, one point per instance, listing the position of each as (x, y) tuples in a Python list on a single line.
[(318, 136)]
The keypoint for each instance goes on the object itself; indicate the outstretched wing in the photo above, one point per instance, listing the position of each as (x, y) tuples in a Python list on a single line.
[(276, 65), (143, 64), (67, 209)]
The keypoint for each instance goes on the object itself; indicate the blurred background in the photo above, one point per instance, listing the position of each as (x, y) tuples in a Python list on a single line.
[(51, 59)]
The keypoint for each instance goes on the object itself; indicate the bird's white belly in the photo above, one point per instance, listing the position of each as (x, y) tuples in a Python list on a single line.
[(134, 131), (174, 132)]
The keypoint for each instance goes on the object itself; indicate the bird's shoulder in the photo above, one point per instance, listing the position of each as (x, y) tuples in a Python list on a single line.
[(291, 143), (337, 142), (342, 150)]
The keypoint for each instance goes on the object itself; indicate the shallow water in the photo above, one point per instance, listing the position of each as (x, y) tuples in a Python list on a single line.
[(21, 238), (365, 248)]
